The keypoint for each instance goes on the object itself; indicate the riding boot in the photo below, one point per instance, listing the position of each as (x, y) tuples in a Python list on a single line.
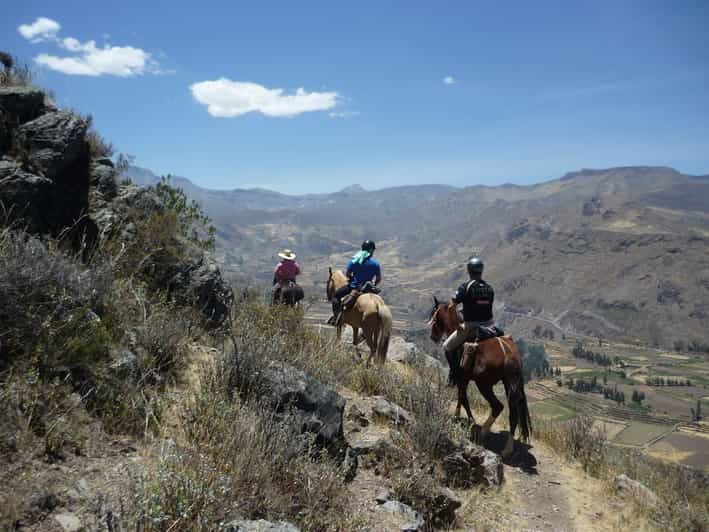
[(454, 363)]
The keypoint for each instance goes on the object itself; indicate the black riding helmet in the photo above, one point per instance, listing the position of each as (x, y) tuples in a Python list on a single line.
[(368, 245), (475, 265)]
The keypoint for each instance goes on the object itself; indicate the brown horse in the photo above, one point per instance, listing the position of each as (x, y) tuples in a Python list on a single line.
[(369, 313), (495, 359)]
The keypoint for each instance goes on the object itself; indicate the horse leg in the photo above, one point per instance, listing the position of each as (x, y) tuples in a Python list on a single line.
[(495, 405), (371, 343), (463, 400), (355, 335)]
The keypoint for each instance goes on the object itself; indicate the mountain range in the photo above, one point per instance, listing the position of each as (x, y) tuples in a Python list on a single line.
[(621, 252)]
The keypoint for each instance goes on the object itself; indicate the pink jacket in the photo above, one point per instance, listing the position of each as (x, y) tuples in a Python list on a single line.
[(286, 271)]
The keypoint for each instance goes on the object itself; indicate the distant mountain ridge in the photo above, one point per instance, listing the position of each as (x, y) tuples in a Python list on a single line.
[(621, 251)]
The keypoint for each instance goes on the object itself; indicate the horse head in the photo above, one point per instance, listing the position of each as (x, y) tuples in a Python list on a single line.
[(443, 320)]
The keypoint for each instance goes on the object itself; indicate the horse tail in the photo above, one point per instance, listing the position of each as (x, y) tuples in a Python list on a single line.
[(385, 321), (518, 404)]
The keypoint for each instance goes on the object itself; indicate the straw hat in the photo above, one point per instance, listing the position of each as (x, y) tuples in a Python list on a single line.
[(287, 254)]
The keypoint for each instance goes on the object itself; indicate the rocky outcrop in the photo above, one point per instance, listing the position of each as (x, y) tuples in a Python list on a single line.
[(189, 274), (45, 183)]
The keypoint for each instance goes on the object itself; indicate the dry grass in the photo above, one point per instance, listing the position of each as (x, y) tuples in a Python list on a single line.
[(238, 458), (683, 493)]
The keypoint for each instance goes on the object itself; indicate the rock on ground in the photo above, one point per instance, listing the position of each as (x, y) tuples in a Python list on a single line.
[(472, 464), (322, 407), (629, 487), (384, 408), (69, 522), (414, 520), (260, 525)]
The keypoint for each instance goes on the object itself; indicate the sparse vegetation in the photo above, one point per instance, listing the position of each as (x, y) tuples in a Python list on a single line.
[(192, 223), (98, 146), (682, 494), (238, 459)]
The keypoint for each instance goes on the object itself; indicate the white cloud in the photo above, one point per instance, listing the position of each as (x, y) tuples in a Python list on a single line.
[(449, 80), (41, 29), (86, 58), (123, 61), (226, 98)]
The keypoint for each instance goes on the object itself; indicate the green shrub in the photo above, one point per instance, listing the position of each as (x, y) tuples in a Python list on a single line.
[(191, 221)]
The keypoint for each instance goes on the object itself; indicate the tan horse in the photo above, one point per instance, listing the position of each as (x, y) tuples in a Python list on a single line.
[(368, 313)]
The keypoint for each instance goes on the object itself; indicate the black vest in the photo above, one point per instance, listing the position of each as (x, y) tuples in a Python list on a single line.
[(478, 300)]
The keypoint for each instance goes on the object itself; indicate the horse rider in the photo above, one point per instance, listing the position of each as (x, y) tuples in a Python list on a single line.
[(477, 298), (286, 271), (361, 269)]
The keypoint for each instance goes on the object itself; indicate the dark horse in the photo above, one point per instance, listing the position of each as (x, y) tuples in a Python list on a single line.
[(487, 363), (289, 295)]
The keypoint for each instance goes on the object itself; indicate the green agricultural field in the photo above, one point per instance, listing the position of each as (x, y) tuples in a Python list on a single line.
[(552, 410)]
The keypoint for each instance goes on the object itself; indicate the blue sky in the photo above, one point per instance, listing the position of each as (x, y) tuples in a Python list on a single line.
[(534, 89)]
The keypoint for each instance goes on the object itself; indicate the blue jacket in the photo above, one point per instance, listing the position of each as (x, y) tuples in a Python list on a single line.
[(361, 273)]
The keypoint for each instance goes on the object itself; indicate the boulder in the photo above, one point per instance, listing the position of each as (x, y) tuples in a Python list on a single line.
[(470, 465), (408, 353), (21, 104), (259, 526), (626, 486), (25, 196), (320, 407), (385, 409), (55, 141)]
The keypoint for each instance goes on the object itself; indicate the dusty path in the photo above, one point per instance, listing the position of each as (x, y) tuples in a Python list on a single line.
[(544, 492)]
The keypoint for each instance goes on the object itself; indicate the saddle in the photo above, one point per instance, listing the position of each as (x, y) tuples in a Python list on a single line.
[(367, 288), (470, 348)]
